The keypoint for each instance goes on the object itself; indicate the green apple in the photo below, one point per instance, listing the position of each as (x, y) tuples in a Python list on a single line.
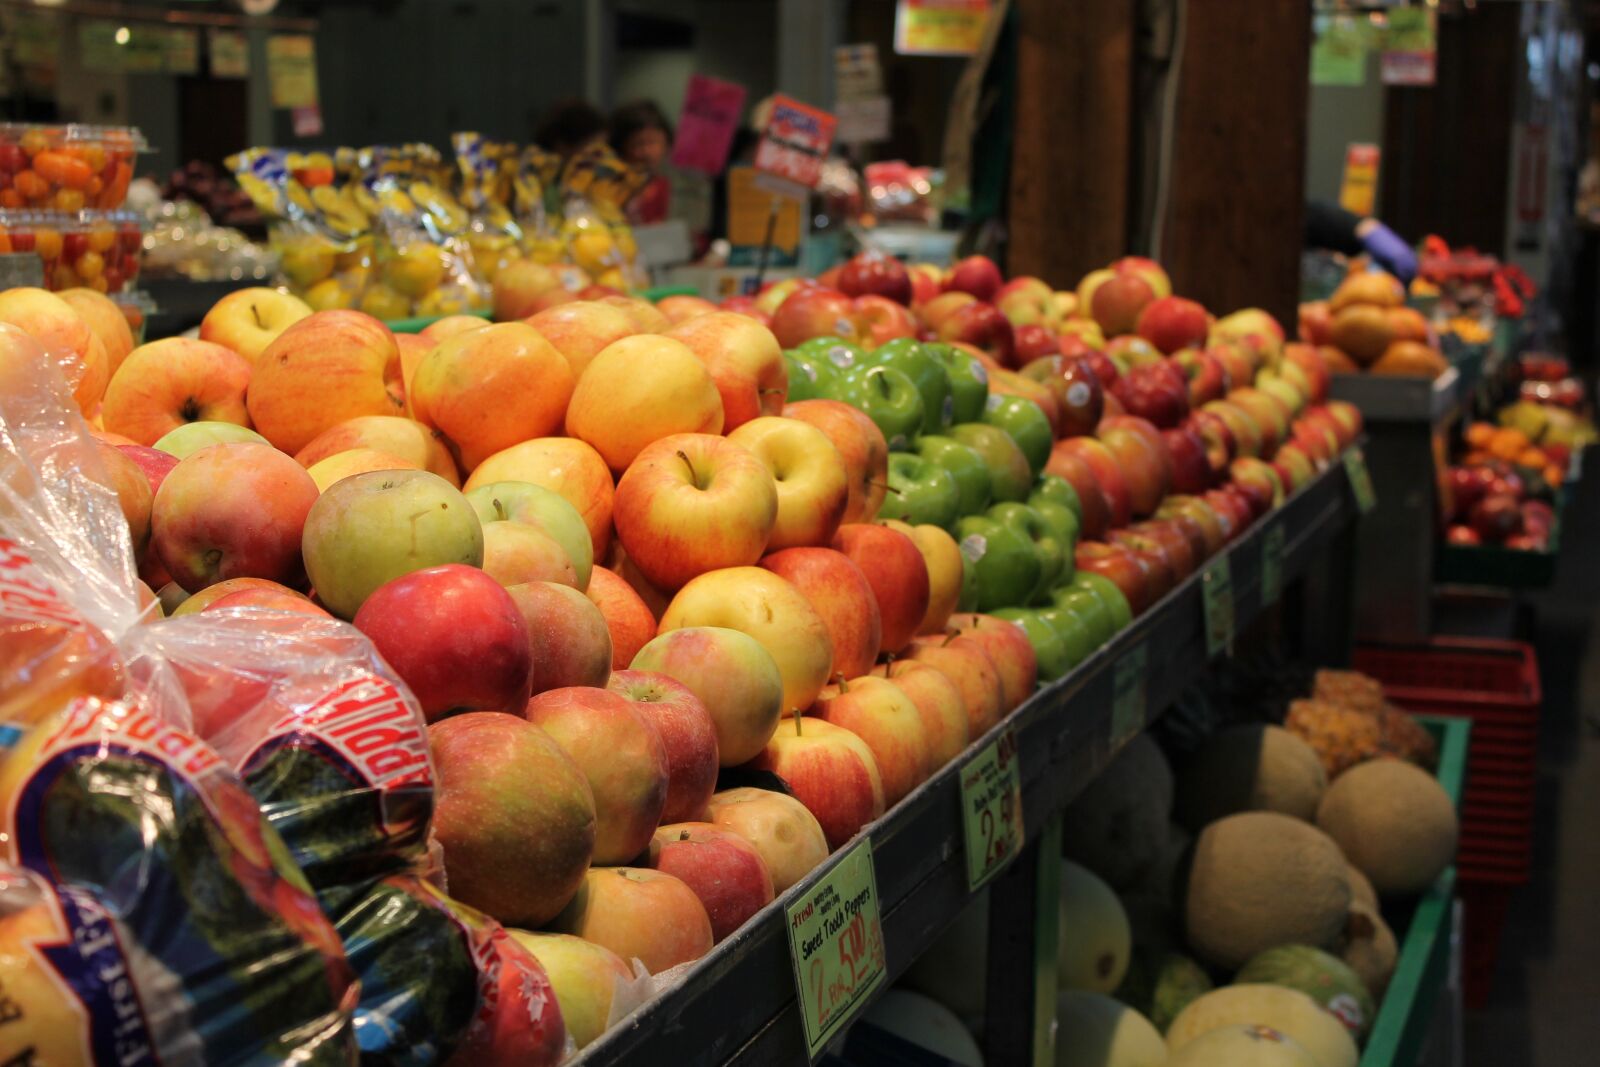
[(191, 437), (1031, 524), (968, 600), (1026, 424), (1009, 475), (965, 466), (836, 352), (1109, 594), (969, 381), (908, 355), (889, 399), (1006, 563), (920, 491), (809, 376), (1049, 647), (546, 511), (1073, 630), (1054, 489), (1089, 608), (1063, 526)]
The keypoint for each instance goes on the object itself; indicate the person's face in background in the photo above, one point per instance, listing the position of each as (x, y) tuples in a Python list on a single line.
[(647, 148)]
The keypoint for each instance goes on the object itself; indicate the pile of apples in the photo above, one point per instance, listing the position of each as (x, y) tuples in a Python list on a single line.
[(615, 548), (1502, 490), (1365, 327)]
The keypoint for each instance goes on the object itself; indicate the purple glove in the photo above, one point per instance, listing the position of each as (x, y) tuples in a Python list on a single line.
[(1390, 251)]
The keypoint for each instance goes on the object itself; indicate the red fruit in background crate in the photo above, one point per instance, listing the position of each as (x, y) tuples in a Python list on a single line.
[(1508, 483), (1538, 517), (1526, 542), (1462, 535), (1468, 485), (1496, 517)]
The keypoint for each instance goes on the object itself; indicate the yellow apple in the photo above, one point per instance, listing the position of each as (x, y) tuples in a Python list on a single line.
[(584, 976), (638, 390), (356, 461), (769, 609), (106, 321), (744, 360), (406, 439), (943, 557), (813, 486), (248, 320), (581, 329), (564, 465), (326, 368), (65, 338)]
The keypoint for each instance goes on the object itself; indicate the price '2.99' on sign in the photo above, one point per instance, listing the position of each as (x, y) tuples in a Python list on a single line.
[(991, 809), (836, 942)]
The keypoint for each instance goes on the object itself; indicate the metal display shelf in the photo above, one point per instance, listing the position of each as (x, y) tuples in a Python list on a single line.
[(737, 1004), (1388, 398)]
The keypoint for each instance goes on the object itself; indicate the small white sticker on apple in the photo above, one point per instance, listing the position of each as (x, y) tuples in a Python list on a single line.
[(993, 402), (899, 443), (1078, 394), (947, 411), (973, 547)]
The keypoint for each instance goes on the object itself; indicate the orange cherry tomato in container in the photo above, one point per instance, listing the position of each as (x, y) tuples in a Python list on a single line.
[(62, 169)]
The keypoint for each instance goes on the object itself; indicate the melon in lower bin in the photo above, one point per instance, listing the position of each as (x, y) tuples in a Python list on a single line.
[(1287, 1011), (1243, 1046), (1324, 978), (1092, 1030), (1095, 938), (926, 1023)]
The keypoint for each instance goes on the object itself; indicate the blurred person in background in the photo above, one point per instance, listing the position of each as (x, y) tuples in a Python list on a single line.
[(1331, 227), (568, 127), (641, 137)]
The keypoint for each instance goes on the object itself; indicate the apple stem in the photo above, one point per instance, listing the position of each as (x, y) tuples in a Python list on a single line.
[(798, 718), (951, 636), (500, 509), (774, 392), (883, 382), (886, 487), (844, 686), (683, 835), (694, 476)]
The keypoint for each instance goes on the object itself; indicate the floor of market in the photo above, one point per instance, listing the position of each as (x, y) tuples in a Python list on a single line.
[(1542, 1008)]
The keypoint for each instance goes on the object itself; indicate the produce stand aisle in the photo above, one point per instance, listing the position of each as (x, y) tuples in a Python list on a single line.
[(738, 1003)]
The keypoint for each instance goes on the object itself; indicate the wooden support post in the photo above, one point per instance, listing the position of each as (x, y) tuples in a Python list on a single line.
[(1070, 159)]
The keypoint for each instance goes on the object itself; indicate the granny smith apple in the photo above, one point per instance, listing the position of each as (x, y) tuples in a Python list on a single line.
[(1026, 424), (838, 353), (1009, 475), (809, 376), (191, 437), (1109, 594), (1073, 630), (908, 355), (920, 491), (971, 551), (969, 381), (965, 466), (1090, 610), (1054, 489), (1006, 562), (889, 399), (1030, 524), (1064, 525), (1049, 647)]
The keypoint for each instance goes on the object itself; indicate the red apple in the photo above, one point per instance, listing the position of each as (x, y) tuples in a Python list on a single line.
[(1172, 322), (1237, 361), (1008, 648), (1316, 323), (1076, 389), (1348, 417), (1247, 472), (687, 733), (1186, 452), (1108, 475), (938, 703), (1496, 517), (1139, 450), (897, 573), (1207, 378), (1096, 517), (839, 591), (1245, 432), (874, 272), (1032, 341), (1104, 368), (982, 326), (1199, 519), (1184, 544), (1271, 416), (733, 675), (639, 914), (1161, 570), (621, 754), (455, 636), (1311, 366), (973, 671), (1217, 438), (880, 713), (724, 870), (977, 275), (828, 769), (1232, 510), (1118, 301), (860, 444), (1121, 567), (567, 634), (746, 306), (1156, 392), (779, 827), (813, 311), (628, 618), (1459, 534)]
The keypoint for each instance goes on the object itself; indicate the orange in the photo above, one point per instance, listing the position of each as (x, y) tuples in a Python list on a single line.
[(1362, 331), (1508, 444), (1554, 475), (1336, 361), (1479, 434), (1408, 324), (1410, 359), (1369, 287), (1532, 457)]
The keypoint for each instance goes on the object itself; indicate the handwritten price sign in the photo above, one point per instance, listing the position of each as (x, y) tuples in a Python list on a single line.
[(836, 942), (1216, 588), (991, 808)]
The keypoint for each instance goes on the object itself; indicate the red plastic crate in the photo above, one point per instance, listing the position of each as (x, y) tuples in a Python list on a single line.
[(1485, 901)]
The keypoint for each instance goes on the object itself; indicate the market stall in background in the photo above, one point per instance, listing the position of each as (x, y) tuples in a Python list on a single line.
[(791, 582)]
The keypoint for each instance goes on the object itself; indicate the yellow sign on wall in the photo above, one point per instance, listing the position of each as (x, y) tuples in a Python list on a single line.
[(1358, 192), (292, 70), (939, 27)]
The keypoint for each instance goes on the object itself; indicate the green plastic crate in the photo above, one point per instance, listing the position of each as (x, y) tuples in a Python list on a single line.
[(418, 325), (1419, 975)]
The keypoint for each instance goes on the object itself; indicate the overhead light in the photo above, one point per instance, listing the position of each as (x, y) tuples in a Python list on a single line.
[(123, 35)]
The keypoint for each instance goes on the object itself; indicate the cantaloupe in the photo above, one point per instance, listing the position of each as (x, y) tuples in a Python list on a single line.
[(1253, 767), (1261, 879), (1323, 977), (1287, 1011), (1117, 827), (953, 969), (1370, 948), (1394, 822), (1092, 1030), (1095, 938), (1243, 1046), (926, 1023)]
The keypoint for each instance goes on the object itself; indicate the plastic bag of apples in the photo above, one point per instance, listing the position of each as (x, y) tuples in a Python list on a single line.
[(213, 825)]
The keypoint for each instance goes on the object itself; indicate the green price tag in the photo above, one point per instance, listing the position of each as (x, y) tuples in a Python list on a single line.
[(1272, 565), (991, 809), (1216, 588), (1355, 465), (1128, 695), (836, 942)]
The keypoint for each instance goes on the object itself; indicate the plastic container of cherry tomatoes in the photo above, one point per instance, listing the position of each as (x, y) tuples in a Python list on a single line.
[(94, 249), (68, 168), (136, 306)]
